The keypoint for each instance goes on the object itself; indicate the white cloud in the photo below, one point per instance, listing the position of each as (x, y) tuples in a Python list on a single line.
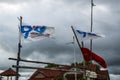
[(10, 8)]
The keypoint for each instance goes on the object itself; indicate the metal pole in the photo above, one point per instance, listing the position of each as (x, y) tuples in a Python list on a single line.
[(91, 28), (19, 50), (75, 59)]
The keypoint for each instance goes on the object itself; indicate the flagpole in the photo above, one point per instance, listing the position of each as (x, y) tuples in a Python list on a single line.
[(19, 49), (75, 59), (76, 37), (91, 28), (80, 46)]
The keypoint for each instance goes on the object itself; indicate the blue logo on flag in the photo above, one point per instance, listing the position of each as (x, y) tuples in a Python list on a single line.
[(27, 29), (82, 33)]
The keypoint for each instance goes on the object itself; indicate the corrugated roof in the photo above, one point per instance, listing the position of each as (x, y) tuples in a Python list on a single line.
[(47, 73), (9, 72)]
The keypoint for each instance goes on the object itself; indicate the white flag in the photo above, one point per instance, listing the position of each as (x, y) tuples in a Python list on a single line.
[(82, 36), (33, 33)]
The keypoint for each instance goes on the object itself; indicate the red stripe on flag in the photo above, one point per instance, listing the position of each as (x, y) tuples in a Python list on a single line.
[(87, 56)]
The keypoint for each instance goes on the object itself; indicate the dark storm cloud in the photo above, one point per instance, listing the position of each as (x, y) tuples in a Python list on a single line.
[(45, 45), (114, 62), (49, 47), (115, 70)]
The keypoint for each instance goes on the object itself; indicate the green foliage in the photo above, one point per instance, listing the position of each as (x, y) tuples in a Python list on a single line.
[(81, 63), (51, 66), (98, 67)]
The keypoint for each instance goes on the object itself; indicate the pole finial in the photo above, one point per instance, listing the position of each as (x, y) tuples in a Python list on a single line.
[(20, 17), (92, 3)]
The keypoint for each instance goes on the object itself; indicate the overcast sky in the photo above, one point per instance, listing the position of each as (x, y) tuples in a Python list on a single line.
[(60, 14)]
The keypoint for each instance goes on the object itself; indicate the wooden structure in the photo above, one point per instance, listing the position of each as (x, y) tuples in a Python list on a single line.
[(9, 73), (69, 74), (66, 72)]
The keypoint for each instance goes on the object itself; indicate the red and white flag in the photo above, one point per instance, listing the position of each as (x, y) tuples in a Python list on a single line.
[(87, 56)]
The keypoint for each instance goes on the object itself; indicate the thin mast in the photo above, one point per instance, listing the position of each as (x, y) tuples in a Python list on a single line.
[(19, 49), (75, 59), (91, 28)]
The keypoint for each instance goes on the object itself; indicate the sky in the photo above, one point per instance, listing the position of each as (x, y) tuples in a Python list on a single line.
[(61, 14)]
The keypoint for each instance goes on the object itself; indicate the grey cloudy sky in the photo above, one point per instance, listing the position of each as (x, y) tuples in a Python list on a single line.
[(60, 14)]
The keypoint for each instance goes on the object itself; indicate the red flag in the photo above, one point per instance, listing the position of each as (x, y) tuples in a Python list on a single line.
[(87, 53)]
